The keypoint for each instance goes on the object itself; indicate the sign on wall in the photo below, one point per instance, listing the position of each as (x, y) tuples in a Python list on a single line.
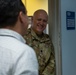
[(70, 20)]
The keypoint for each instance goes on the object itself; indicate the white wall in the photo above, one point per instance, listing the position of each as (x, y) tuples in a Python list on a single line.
[(68, 39)]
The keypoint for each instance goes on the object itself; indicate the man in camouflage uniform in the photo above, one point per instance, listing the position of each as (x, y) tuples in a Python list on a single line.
[(41, 43)]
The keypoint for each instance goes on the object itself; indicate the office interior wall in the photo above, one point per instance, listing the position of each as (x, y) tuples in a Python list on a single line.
[(68, 39), (33, 5)]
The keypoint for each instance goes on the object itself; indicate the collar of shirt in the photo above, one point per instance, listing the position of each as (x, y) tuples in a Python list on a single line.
[(41, 39), (11, 33)]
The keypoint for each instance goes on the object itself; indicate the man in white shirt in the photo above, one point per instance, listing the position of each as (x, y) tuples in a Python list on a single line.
[(16, 58)]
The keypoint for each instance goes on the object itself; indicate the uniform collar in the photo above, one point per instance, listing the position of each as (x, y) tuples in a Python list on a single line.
[(41, 39)]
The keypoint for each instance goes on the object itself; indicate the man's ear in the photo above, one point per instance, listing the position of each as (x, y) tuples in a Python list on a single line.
[(21, 16)]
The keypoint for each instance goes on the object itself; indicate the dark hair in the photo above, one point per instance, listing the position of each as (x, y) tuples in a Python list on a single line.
[(9, 11)]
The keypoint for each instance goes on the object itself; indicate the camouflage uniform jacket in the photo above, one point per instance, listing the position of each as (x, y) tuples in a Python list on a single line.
[(45, 52)]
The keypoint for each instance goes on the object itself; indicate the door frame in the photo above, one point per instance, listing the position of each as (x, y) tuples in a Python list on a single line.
[(54, 31)]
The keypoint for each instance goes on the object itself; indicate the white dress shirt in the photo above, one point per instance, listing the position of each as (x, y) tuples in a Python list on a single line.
[(16, 58)]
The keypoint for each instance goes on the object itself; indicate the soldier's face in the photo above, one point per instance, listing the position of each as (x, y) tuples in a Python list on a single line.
[(39, 22)]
